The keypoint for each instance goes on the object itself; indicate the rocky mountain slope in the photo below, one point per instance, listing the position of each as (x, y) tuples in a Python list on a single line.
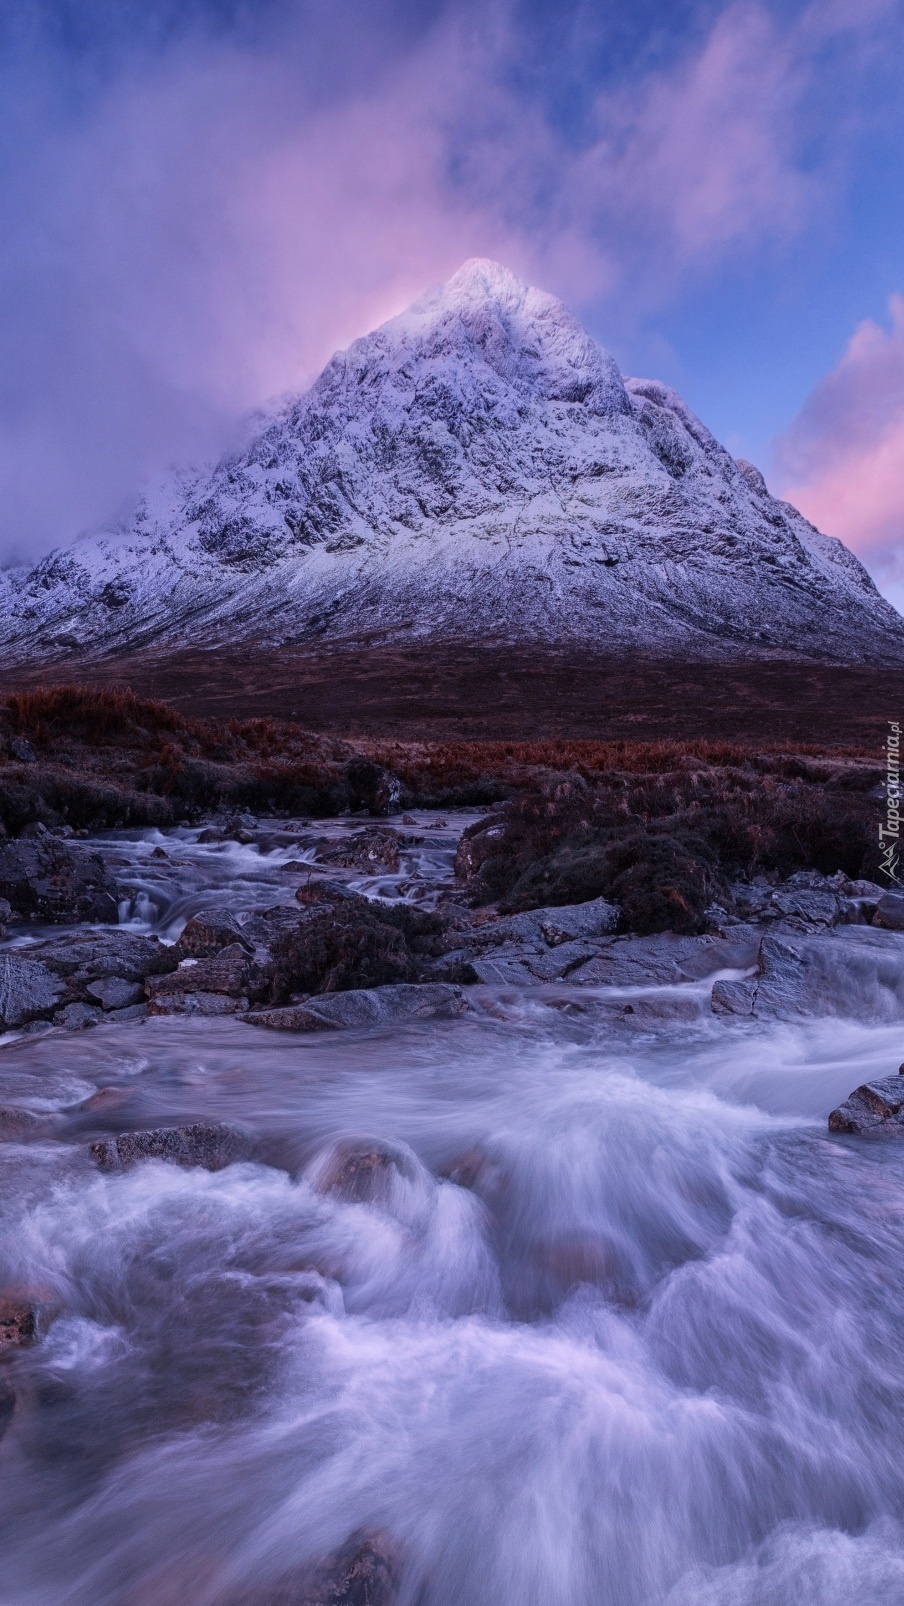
[(477, 468)]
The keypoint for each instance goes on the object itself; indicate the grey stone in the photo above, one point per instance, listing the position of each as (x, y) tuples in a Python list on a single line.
[(874, 1107), (667, 959), (854, 972), (131, 1012), (210, 1145), (76, 1017), (365, 1006), (92, 955), (28, 989), (230, 971), (733, 997), (208, 932), (47, 879), (114, 992), (197, 1003), (890, 912)]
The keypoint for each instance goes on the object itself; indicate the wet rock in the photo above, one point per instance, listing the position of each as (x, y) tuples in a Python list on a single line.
[(733, 997), (231, 971), (115, 992), (17, 1125), (890, 912), (77, 1017), (134, 1012), (372, 1006), (28, 990), (362, 1574), (45, 879), (376, 848), (20, 748), (209, 931), (96, 955), (373, 788), (360, 1172), (548, 927), (209, 834), (18, 1324), (874, 1107), (322, 891), (806, 901), (854, 972), (669, 958), (197, 1003), (210, 1145)]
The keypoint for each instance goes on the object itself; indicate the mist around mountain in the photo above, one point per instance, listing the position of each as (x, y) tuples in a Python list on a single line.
[(477, 469)]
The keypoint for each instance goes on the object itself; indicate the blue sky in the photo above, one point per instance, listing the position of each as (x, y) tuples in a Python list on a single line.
[(201, 199)]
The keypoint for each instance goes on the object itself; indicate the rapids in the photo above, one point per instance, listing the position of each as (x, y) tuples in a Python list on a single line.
[(625, 1326)]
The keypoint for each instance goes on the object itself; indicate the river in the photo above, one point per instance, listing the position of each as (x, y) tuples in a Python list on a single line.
[(619, 1323)]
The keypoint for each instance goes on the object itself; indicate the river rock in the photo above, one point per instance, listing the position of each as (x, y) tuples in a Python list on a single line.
[(376, 848), (17, 1125), (95, 955), (115, 992), (76, 1017), (874, 1107), (197, 1003), (231, 972), (733, 997), (18, 1324), (210, 1145), (365, 1006), (854, 972), (29, 990), (373, 788), (208, 932), (362, 1574), (890, 912), (42, 878), (668, 958)]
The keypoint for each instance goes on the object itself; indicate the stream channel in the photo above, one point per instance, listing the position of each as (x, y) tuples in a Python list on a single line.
[(623, 1324)]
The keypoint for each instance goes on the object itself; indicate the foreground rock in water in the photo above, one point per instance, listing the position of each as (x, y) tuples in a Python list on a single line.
[(874, 1107), (220, 985), (362, 1573), (43, 878), (368, 1006), (209, 1145), (18, 1329), (854, 972)]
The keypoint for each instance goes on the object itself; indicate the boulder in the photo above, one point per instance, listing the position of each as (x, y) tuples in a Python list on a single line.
[(854, 972), (733, 997), (210, 1145), (16, 1125), (18, 1324), (76, 1017), (890, 912), (115, 992), (28, 990), (668, 958), (95, 955), (373, 788), (43, 878), (231, 971), (366, 1006), (196, 1003), (359, 1172), (376, 848), (874, 1107), (209, 931)]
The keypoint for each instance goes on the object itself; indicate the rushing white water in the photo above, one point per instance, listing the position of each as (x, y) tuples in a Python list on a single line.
[(620, 1326)]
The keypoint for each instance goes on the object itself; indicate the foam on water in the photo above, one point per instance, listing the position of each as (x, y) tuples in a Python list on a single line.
[(621, 1322)]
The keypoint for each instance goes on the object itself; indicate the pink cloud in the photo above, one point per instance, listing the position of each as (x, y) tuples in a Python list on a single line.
[(211, 230), (842, 461)]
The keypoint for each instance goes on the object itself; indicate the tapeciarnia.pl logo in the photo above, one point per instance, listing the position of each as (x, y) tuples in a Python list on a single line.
[(890, 832)]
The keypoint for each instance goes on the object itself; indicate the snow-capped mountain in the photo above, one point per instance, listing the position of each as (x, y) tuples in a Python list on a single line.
[(477, 468)]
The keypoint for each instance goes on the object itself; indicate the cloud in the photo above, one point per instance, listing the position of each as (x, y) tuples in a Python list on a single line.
[(189, 228), (842, 461)]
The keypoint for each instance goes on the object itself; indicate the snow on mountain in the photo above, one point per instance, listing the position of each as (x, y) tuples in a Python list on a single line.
[(477, 468)]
